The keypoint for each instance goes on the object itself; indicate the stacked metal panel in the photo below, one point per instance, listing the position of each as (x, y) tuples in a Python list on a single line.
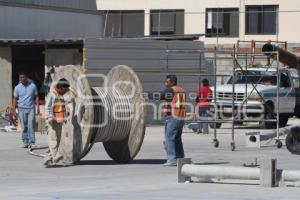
[(152, 60)]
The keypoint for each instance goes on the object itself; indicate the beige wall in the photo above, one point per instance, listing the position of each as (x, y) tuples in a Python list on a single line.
[(5, 80), (195, 16)]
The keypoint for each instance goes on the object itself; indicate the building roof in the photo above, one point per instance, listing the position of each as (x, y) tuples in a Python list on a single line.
[(70, 4), (40, 42)]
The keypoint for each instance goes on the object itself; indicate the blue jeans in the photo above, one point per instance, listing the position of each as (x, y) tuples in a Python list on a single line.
[(27, 119), (203, 126), (173, 142)]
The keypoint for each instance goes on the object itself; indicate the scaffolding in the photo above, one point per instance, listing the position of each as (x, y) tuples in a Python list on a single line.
[(240, 65), (252, 47)]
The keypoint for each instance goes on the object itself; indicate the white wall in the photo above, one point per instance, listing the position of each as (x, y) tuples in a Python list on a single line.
[(195, 16)]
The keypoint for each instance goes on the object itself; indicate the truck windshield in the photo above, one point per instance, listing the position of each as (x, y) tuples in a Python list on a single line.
[(255, 77)]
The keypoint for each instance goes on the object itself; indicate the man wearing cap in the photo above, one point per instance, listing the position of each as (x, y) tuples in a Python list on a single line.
[(56, 116)]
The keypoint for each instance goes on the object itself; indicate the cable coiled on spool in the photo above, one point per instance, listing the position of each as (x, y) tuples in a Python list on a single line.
[(113, 114)]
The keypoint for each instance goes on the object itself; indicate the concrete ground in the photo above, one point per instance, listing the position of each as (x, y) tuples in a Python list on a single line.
[(22, 176)]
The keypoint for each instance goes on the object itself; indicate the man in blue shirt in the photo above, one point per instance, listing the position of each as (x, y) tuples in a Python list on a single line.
[(24, 95)]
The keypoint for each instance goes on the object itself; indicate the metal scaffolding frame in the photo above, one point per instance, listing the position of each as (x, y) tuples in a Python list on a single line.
[(236, 66)]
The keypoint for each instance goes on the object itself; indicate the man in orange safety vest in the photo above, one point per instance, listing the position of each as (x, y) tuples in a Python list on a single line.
[(56, 114), (174, 112)]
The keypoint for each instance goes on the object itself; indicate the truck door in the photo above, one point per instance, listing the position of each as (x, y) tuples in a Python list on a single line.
[(287, 98), (296, 84)]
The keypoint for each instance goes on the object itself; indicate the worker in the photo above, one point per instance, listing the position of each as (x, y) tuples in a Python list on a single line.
[(174, 112), (56, 116), (24, 95), (203, 100)]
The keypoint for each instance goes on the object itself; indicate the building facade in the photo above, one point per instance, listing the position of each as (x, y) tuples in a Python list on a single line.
[(36, 35), (222, 21)]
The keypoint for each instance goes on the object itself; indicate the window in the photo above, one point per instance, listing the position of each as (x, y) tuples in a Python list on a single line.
[(256, 77), (261, 19), (124, 24), (222, 22), (284, 80), (167, 22)]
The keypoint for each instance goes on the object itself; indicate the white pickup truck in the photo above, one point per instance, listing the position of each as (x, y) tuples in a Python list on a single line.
[(255, 96)]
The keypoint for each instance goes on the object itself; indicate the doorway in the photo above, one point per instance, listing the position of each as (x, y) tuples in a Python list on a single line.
[(31, 60)]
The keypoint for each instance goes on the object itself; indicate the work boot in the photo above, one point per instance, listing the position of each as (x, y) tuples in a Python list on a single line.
[(48, 163), (56, 159), (31, 146), (170, 164), (24, 146)]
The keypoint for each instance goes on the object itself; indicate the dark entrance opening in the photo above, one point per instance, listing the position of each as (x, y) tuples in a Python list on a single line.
[(31, 60)]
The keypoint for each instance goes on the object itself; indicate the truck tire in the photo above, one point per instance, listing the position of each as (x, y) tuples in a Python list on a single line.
[(292, 141), (212, 125), (268, 116)]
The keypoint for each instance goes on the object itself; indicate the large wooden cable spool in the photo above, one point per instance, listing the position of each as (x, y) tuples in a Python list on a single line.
[(126, 80), (123, 136)]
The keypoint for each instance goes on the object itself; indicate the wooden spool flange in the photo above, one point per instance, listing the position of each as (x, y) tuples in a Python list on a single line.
[(76, 132), (124, 78)]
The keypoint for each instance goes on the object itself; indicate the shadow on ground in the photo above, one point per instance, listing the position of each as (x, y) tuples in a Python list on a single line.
[(111, 162), (212, 163)]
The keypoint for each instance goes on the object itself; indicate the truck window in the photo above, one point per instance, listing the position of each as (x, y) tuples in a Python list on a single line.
[(254, 77), (295, 78), (284, 80)]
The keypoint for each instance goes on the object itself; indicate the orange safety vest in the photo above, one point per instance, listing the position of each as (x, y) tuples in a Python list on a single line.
[(59, 108), (177, 106)]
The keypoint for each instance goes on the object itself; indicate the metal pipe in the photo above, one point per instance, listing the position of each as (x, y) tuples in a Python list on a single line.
[(231, 172), (284, 56), (292, 140), (215, 100), (220, 172), (277, 96), (270, 134), (290, 175)]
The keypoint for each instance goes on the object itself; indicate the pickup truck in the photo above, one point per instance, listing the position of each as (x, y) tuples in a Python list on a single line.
[(255, 97)]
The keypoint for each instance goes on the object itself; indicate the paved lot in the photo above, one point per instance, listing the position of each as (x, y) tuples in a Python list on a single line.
[(22, 176)]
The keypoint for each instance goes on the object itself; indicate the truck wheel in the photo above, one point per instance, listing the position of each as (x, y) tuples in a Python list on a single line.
[(278, 144), (216, 143), (292, 141), (232, 146), (212, 125), (283, 120), (267, 116)]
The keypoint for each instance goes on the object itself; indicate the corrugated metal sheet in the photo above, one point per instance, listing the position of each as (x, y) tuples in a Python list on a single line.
[(28, 23), (74, 4), (149, 58)]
